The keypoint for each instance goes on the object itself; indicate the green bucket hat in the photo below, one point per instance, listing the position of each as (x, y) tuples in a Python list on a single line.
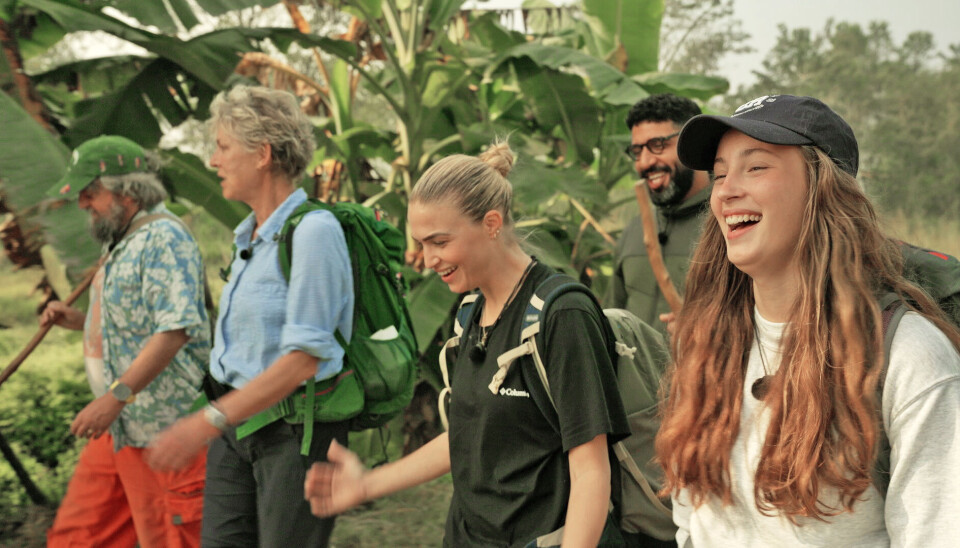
[(107, 155)]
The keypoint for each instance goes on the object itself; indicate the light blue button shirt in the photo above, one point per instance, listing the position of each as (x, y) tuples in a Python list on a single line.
[(263, 318)]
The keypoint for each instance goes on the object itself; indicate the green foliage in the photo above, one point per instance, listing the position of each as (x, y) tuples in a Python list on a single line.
[(430, 303), (900, 100), (31, 162), (626, 31), (696, 35), (446, 82), (451, 84), (187, 177), (40, 400), (695, 87), (43, 34)]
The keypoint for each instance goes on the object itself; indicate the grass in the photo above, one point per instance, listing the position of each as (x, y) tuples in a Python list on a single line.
[(414, 517), (923, 233)]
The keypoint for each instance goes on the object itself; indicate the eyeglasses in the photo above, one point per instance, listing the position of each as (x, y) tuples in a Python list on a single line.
[(655, 146)]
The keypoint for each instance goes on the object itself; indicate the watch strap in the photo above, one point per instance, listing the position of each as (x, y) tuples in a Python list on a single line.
[(215, 417), (122, 392)]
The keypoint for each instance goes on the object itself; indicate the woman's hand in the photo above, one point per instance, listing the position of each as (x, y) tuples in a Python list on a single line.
[(335, 486), (670, 318)]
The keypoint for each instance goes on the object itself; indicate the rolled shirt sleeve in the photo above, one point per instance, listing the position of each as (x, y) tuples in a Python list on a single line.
[(263, 316), (320, 295)]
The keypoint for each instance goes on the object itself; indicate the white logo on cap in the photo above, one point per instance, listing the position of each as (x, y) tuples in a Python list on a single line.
[(755, 104)]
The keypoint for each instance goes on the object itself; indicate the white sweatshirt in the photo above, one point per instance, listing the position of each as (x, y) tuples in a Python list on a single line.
[(921, 415)]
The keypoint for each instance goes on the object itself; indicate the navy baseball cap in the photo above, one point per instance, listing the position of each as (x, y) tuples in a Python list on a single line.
[(774, 119)]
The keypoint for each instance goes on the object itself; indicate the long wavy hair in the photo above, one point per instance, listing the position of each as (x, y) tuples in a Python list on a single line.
[(823, 402)]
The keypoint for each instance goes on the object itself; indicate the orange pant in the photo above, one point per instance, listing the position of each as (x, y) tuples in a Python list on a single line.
[(116, 500)]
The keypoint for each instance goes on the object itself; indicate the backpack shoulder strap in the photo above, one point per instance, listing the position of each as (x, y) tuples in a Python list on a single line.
[(465, 313), (546, 293), (140, 222), (151, 217), (225, 272), (285, 249), (891, 312), (461, 322), (285, 257)]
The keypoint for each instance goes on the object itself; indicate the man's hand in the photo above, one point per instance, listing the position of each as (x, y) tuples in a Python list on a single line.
[(176, 446), (334, 486), (60, 314), (670, 319), (96, 417)]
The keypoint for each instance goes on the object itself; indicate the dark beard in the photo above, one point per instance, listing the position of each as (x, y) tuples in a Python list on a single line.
[(109, 229), (676, 190)]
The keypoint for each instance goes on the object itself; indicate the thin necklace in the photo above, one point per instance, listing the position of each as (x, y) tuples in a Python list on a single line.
[(761, 386), (479, 351)]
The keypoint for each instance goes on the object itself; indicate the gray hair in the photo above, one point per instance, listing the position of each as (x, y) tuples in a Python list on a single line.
[(257, 115), (475, 185), (144, 188)]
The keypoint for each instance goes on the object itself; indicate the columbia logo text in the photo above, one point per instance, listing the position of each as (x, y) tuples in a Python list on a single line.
[(514, 393)]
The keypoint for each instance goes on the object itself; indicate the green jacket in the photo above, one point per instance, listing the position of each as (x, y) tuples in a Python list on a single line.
[(634, 286)]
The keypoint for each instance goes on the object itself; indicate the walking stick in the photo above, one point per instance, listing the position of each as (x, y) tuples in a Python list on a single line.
[(653, 248), (34, 492), (42, 332)]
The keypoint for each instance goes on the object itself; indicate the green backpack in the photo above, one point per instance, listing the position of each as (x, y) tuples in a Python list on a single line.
[(936, 273), (380, 365), (939, 275), (640, 357)]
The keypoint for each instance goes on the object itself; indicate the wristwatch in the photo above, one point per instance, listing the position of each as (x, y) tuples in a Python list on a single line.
[(215, 417), (122, 392)]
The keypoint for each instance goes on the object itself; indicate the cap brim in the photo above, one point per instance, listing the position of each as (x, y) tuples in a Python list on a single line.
[(69, 187), (697, 145)]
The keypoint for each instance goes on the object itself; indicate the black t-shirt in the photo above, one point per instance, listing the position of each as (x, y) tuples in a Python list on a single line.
[(509, 464)]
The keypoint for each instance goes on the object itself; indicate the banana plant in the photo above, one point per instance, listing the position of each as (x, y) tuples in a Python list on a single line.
[(447, 81)]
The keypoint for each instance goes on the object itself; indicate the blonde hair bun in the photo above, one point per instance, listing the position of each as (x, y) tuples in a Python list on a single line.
[(500, 157)]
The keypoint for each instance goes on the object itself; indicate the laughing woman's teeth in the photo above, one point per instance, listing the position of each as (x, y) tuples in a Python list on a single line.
[(737, 219)]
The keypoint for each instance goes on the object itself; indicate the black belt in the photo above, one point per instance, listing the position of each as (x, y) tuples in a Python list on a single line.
[(213, 388)]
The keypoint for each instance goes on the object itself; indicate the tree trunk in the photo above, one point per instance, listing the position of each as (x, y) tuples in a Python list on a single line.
[(21, 242), (23, 90)]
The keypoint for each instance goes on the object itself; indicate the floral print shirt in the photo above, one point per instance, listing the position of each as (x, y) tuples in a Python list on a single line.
[(153, 282)]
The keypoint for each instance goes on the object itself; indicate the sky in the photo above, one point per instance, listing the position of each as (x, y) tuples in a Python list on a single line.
[(761, 17)]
